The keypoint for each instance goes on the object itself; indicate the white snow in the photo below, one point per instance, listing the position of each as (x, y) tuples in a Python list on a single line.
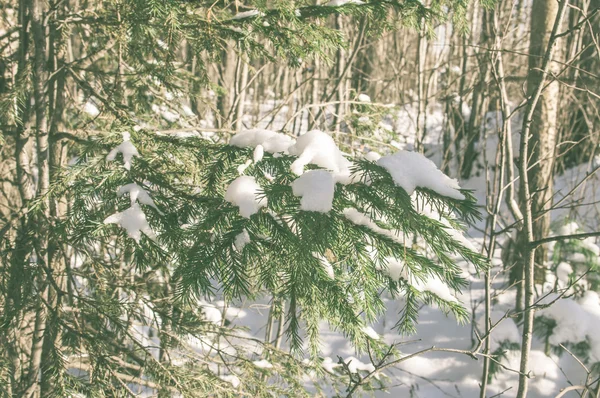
[(395, 269), (372, 156), (364, 98), (165, 113), (134, 221), (242, 167), (211, 313), (259, 152), (271, 141), (427, 210), (248, 14), (435, 285), (127, 149), (263, 364), (355, 364), (359, 218), (563, 271), (91, 109), (316, 187), (411, 170), (317, 147), (325, 264), (187, 111), (576, 321), (231, 379), (339, 3), (564, 311), (569, 228), (241, 240), (505, 330), (590, 302), (369, 331), (243, 192), (329, 365), (136, 193)]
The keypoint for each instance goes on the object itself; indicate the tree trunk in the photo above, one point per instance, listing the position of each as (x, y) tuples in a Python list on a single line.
[(536, 132)]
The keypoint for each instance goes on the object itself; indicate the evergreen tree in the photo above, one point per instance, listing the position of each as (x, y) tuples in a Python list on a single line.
[(111, 262)]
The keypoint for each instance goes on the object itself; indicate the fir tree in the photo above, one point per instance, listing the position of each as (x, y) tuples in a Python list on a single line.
[(112, 261)]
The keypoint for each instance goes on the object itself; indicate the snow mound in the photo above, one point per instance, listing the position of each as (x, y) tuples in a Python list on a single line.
[(586, 312), (316, 188), (411, 170), (243, 192), (317, 147), (133, 220), (271, 141)]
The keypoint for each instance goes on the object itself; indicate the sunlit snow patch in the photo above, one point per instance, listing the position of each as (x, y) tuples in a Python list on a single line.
[(136, 193), (127, 149), (243, 192), (133, 220), (411, 170), (316, 188), (271, 141), (319, 148)]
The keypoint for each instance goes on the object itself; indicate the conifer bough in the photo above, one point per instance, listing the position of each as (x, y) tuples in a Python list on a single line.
[(246, 232)]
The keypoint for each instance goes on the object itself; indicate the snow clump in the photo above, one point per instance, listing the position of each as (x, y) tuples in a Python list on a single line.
[(241, 240), (243, 192), (136, 193), (133, 220), (325, 264), (318, 148), (364, 98), (316, 188), (127, 149), (355, 364), (339, 3), (263, 364), (248, 14), (270, 141), (411, 170)]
